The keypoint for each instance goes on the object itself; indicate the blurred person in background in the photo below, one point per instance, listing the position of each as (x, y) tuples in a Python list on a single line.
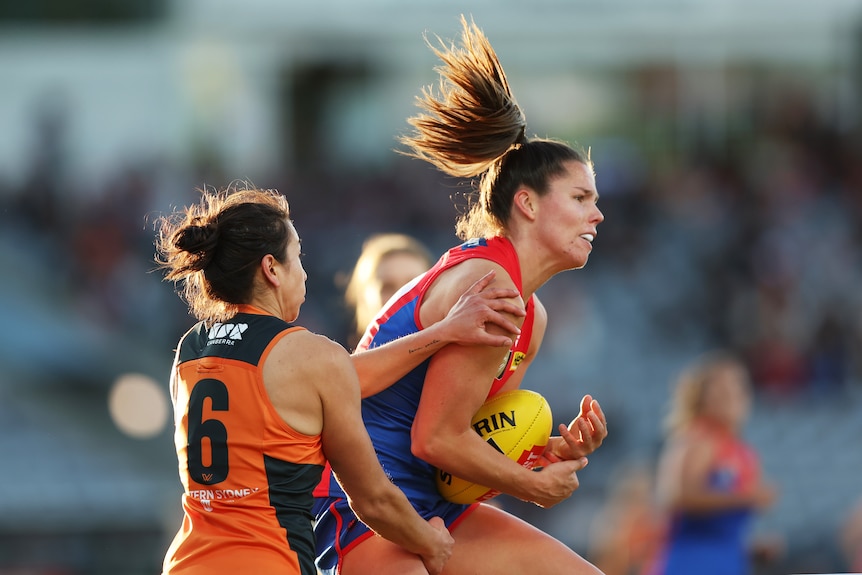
[(709, 481), (536, 217), (387, 262), (851, 538), (626, 532), (260, 404)]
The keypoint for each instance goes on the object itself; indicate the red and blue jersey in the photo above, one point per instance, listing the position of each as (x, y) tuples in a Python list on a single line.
[(715, 543), (389, 414)]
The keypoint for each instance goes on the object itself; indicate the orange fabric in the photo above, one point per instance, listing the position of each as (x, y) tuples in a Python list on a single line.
[(242, 468)]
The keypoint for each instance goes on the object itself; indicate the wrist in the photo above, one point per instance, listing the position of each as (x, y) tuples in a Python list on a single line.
[(550, 452), (427, 545), (526, 483), (436, 336)]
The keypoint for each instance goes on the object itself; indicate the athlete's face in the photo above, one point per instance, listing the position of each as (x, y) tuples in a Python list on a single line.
[(727, 398), (569, 215), (393, 271), (293, 284)]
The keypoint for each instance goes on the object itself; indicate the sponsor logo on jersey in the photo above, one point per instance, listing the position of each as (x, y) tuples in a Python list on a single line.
[(474, 243), (226, 333), (207, 496), (517, 358)]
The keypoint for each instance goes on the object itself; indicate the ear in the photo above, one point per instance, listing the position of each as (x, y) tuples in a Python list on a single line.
[(525, 202), (268, 266)]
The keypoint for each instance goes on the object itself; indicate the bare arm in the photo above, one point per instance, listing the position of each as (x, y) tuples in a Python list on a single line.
[(456, 384), (326, 391), (851, 533), (683, 481), (467, 323)]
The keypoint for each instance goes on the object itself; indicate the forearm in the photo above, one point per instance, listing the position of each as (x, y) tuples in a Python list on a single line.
[(468, 457), (382, 366), (390, 515)]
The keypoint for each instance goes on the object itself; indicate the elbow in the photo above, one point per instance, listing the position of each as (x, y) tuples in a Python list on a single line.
[(429, 448), (375, 509), (369, 511)]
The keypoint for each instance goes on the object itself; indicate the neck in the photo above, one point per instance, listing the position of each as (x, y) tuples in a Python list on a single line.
[(536, 269), (267, 305)]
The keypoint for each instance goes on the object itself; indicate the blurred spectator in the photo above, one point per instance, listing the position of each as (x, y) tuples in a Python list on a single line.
[(851, 538), (625, 533), (387, 262), (709, 479)]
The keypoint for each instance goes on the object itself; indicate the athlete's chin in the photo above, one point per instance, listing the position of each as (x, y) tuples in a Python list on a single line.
[(579, 263), (292, 317)]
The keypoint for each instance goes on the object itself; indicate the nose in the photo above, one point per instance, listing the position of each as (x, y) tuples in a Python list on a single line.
[(599, 217)]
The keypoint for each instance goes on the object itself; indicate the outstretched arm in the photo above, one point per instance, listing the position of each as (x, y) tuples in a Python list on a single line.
[(374, 498), (465, 324)]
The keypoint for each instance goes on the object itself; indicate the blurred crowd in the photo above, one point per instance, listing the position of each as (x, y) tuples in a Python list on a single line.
[(752, 243), (749, 240)]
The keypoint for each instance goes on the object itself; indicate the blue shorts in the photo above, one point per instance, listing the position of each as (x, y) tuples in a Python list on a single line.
[(338, 530)]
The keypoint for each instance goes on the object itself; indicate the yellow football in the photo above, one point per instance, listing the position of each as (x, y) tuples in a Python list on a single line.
[(516, 423)]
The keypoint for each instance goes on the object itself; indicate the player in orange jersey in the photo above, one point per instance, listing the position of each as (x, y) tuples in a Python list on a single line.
[(261, 404)]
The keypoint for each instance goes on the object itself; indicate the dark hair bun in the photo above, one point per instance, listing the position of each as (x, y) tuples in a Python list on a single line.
[(199, 241)]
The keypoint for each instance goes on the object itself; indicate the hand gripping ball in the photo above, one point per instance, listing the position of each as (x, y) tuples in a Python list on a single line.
[(516, 423)]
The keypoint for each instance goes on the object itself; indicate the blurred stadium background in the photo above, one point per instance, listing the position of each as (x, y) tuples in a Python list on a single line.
[(728, 148)]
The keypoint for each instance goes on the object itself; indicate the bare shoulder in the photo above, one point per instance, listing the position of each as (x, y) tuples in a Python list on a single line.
[(461, 276), (308, 354), (453, 282), (692, 443)]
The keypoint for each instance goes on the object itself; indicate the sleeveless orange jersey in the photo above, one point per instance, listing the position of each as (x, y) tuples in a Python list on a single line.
[(247, 475)]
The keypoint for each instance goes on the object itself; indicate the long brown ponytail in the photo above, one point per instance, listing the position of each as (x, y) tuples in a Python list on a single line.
[(474, 126)]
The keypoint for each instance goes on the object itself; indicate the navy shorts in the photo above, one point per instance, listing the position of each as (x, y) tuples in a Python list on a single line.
[(338, 530)]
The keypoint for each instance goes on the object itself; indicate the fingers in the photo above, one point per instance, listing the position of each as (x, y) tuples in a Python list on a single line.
[(577, 464), (579, 442), (577, 445), (504, 323), (495, 340), (597, 419), (566, 466), (592, 412), (437, 523), (587, 431), (585, 404), (597, 410), (482, 282), (499, 300)]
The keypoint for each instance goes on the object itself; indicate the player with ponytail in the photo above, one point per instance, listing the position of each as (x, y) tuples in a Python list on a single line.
[(534, 215)]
